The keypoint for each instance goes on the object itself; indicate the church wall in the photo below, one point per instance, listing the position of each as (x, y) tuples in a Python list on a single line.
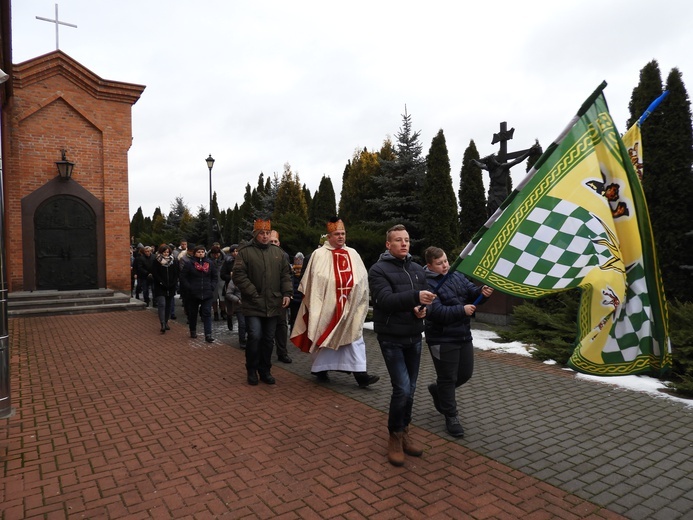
[(58, 104)]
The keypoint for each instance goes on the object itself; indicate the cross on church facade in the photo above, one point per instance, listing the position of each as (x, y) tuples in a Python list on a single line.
[(57, 23)]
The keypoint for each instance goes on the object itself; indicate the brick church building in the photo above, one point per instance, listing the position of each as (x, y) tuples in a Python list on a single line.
[(66, 233)]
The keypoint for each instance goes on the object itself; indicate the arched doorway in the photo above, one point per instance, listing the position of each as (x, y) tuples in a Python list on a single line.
[(65, 244)]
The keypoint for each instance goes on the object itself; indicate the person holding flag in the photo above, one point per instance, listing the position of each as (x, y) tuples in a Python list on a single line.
[(400, 295), (448, 333)]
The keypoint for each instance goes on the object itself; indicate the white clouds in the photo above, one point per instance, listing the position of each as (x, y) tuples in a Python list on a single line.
[(259, 84)]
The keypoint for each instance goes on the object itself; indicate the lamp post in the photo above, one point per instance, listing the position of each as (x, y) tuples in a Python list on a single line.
[(6, 409), (210, 164)]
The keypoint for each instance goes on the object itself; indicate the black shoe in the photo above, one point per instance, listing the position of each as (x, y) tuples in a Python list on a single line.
[(163, 328), (167, 327), (322, 376), (193, 334), (433, 390), (368, 380), (452, 424), (284, 359), (209, 339), (268, 379), (252, 377), (173, 316)]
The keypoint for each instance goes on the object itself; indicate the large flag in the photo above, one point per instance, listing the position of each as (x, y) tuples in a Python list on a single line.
[(579, 219)]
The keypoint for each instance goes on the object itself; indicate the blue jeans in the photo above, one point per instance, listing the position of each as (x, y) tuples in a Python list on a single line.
[(402, 361), (258, 350)]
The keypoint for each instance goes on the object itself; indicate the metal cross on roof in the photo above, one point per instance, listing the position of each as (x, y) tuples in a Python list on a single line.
[(57, 23)]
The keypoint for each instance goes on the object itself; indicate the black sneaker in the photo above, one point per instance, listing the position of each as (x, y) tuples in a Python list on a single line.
[(193, 334), (433, 390), (209, 339), (284, 359), (452, 424)]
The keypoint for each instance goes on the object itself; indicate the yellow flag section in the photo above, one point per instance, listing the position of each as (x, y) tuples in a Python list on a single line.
[(632, 139)]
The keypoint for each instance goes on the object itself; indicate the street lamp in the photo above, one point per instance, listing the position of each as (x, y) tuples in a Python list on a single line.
[(210, 164)]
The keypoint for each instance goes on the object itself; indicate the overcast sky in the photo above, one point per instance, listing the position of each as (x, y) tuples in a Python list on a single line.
[(258, 84)]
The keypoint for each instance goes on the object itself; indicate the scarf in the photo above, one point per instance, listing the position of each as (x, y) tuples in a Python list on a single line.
[(202, 266), (163, 260)]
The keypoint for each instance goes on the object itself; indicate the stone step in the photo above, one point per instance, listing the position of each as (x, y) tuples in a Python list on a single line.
[(54, 303)]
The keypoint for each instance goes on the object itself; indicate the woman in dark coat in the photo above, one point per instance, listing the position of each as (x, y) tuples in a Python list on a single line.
[(199, 279), (165, 274)]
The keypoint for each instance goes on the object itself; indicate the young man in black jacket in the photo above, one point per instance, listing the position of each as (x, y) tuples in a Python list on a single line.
[(400, 293)]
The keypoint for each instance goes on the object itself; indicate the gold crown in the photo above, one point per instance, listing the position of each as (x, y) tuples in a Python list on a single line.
[(262, 225), (334, 226)]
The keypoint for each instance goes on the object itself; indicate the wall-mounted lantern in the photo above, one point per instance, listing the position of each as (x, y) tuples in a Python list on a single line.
[(65, 167)]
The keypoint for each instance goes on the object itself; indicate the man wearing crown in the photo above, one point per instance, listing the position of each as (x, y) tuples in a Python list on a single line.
[(334, 306), (263, 276)]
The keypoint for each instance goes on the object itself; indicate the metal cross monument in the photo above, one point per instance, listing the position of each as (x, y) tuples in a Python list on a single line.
[(57, 23), (498, 166)]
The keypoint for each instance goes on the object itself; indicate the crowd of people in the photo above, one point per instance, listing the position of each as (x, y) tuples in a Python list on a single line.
[(321, 303)]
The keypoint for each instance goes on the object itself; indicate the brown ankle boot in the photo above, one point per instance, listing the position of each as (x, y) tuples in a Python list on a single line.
[(410, 446), (394, 449)]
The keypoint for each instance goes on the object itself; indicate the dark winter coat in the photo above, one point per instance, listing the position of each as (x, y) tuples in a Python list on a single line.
[(446, 321), (226, 268), (263, 275), (143, 265), (198, 281), (395, 285), (165, 278)]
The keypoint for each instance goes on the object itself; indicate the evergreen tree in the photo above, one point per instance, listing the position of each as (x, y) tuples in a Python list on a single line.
[(472, 195), (667, 177), (307, 196), (400, 182), (198, 229), (290, 199), (137, 225), (267, 197), (324, 204), (158, 226), (177, 222), (439, 208), (357, 187)]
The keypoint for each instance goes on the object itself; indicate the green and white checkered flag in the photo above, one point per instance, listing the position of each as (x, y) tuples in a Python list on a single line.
[(579, 220)]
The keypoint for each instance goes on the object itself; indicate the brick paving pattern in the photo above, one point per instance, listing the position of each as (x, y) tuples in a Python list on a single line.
[(115, 420)]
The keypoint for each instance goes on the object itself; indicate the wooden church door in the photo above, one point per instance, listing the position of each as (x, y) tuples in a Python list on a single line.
[(65, 235)]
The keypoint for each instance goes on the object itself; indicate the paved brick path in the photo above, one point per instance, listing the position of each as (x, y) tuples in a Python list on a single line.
[(115, 420)]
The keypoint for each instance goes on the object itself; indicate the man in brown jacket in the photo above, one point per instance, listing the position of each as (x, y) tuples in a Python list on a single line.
[(263, 276)]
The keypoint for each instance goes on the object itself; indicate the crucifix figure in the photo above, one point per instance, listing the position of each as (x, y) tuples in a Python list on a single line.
[(498, 166), (57, 23)]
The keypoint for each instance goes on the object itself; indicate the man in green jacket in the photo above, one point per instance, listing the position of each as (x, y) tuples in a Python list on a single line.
[(263, 276)]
